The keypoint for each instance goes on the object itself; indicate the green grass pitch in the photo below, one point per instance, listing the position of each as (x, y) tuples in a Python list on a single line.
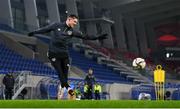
[(87, 104)]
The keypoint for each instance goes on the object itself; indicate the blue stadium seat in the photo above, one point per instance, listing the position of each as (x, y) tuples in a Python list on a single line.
[(100, 71), (10, 60)]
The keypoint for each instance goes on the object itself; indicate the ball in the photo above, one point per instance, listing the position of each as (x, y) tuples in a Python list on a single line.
[(139, 63)]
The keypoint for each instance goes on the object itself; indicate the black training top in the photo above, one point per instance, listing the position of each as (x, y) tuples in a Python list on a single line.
[(62, 34)]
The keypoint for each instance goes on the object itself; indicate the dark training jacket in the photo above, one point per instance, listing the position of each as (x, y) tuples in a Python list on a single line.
[(8, 81), (62, 34), (90, 79)]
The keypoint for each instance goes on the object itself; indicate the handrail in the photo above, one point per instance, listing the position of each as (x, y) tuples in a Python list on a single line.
[(21, 80)]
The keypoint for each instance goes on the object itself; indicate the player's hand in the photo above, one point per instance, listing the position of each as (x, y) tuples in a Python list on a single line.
[(102, 36), (31, 34)]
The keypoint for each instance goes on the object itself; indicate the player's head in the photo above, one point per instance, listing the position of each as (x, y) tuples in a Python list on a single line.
[(90, 71), (72, 20)]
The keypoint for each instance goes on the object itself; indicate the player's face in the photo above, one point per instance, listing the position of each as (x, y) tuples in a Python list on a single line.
[(72, 22), (90, 71)]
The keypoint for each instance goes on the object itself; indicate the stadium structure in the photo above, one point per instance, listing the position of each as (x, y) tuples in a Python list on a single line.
[(136, 28)]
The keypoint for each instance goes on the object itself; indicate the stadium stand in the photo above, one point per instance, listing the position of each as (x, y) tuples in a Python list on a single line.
[(12, 61), (100, 71)]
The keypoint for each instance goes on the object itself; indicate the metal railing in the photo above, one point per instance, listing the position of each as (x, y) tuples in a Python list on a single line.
[(20, 80)]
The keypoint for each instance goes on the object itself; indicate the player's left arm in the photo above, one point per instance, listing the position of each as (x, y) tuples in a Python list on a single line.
[(80, 35)]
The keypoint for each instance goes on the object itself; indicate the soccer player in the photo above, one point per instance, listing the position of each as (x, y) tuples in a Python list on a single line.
[(58, 49), (90, 80)]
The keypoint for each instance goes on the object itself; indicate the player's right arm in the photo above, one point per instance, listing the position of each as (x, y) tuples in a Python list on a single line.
[(42, 30)]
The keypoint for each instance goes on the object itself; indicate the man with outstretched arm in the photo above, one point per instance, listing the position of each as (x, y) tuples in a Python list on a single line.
[(58, 49)]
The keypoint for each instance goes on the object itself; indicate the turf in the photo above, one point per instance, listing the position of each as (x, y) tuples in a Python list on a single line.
[(87, 104)]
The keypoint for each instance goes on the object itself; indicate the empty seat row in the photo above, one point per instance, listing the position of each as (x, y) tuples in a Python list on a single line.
[(100, 71)]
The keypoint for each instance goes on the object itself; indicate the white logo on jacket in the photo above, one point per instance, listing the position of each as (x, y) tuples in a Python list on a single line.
[(59, 29), (69, 32), (53, 59)]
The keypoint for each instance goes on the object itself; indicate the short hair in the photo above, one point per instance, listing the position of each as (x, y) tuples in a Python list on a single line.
[(90, 69), (73, 16)]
